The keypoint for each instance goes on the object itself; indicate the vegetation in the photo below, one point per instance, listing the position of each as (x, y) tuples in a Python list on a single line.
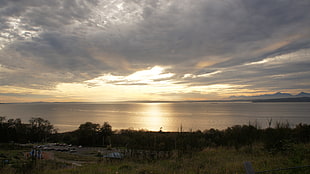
[(209, 151), (279, 138), (38, 130), (216, 160)]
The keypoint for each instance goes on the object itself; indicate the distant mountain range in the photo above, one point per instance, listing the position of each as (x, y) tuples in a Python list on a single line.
[(297, 99), (277, 95)]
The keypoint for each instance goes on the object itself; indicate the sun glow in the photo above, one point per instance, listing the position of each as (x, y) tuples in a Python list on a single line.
[(153, 83), (155, 117), (155, 75)]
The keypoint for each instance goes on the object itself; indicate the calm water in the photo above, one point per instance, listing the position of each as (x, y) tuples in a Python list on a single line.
[(153, 116)]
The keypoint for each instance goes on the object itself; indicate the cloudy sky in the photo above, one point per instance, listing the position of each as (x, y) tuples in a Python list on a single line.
[(115, 50)]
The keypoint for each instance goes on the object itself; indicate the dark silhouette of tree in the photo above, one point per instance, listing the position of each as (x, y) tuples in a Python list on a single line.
[(88, 134), (2, 119), (106, 132), (17, 130), (281, 138), (302, 133), (40, 129), (3, 130), (12, 130), (214, 137), (238, 136)]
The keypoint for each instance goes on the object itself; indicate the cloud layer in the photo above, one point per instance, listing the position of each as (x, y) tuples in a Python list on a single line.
[(260, 45)]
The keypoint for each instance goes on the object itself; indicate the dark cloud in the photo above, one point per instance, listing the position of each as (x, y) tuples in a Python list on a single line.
[(24, 95), (48, 42), (288, 71)]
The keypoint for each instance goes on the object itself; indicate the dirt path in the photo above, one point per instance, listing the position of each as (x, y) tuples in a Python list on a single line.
[(51, 156)]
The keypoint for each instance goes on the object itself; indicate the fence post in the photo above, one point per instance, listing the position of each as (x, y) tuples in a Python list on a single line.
[(248, 168)]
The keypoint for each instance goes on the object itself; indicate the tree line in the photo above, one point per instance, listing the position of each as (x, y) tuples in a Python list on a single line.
[(281, 137), (37, 130)]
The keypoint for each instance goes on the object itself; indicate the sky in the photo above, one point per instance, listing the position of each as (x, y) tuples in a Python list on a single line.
[(120, 50)]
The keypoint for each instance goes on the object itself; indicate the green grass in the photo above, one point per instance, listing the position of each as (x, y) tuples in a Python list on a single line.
[(75, 157), (220, 160)]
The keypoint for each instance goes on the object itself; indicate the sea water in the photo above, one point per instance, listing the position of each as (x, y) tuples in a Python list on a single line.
[(188, 116)]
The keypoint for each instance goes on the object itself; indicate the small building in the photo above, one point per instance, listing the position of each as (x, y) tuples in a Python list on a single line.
[(114, 155)]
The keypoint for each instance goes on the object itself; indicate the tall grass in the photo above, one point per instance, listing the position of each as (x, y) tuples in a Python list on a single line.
[(219, 160)]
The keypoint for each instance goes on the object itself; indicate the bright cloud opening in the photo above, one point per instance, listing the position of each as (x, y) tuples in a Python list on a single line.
[(298, 56), (201, 75), (155, 75)]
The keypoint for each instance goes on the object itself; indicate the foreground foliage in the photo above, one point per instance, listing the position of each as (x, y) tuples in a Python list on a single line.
[(281, 137), (209, 151), (13, 130), (210, 160)]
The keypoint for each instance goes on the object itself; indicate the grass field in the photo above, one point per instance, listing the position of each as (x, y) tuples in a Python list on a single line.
[(211, 160)]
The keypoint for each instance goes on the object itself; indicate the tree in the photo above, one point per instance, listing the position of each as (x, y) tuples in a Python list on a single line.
[(16, 131), (40, 129), (106, 132), (2, 119), (3, 130), (87, 133)]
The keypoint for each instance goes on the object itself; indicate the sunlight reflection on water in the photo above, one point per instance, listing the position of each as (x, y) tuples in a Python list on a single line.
[(153, 116)]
